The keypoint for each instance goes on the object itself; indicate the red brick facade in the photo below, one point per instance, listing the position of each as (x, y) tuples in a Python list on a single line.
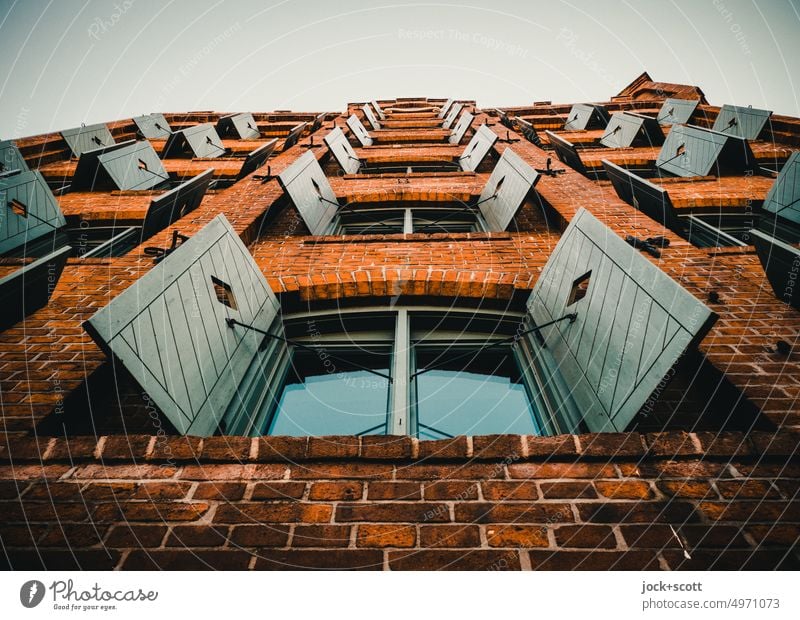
[(701, 494)]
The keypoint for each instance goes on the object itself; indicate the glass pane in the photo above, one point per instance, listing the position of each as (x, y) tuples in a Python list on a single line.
[(325, 396), (443, 221), (372, 222), (471, 392)]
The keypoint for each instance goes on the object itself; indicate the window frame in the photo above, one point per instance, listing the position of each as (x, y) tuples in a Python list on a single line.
[(409, 220), (546, 391)]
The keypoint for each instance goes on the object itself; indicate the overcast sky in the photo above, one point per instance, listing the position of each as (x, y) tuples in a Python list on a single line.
[(71, 61)]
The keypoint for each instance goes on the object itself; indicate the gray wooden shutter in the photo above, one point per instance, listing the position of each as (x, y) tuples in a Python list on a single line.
[(340, 147), (741, 121), (29, 288), (585, 116), (256, 158), (11, 158), (480, 145), (691, 151), (175, 203), (443, 110), (371, 117), (463, 124), (86, 138), (308, 187), (625, 128), (505, 191), (566, 152), (676, 111), (378, 109), (781, 263), (43, 212), (783, 198), (125, 166), (294, 136), (359, 131), (196, 141), (153, 126), (649, 198), (242, 126), (168, 329), (632, 325), (455, 110)]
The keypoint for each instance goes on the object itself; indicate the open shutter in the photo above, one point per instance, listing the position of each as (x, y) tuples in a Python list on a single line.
[(566, 152), (175, 204), (633, 322), (627, 128), (358, 129), (373, 121), (586, 116), (153, 126), (741, 121), (196, 141), (505, 191), (340, 147), (124, 166), (308, 187), (242, 126), (676, 111), (169, 331), (378, 109), (783, 198), (29, 288), (443, 110), (781, 262), (86, 138), (691, 151), (11, 158), (455, 110), (480, 145), (461, 128), (649, 198), (256, 158), (30, 210)]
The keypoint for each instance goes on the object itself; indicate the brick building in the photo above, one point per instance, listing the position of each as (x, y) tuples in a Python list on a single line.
[(410, 336)]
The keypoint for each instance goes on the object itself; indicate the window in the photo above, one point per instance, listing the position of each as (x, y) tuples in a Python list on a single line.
[(20, 208), (408, 220), (417, 371)]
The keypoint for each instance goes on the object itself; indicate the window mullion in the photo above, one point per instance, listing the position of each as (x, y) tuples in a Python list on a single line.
[(408, 222), (399, 412)]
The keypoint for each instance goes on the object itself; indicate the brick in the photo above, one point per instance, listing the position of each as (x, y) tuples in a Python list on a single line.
[(460, 490), (339, 447), (747, 489), (624, 489), (687, 488), (220, 491), (125, 447), (777, 443), (383, 536), (175, 449), (73, 559), (723, 444), (657, 536), (233, 472), (260, 535), (136, 536), (497, 447), (187, 560), (281, 449), (358, 471), (551, 447), (568, 490), (611, 445), (751, 511), (479, 512), (393, 512), (593, 560), (637, 512), (671, 444), (777, 535), (225, 449), (449, 536), (585, 536), (150, 511), (160, 490), (280, 490), (304, 559), (74, 535), (461, 471), (524, 471), (386, 447), (509, 490), (505, 535), (407, 491), (349, 490), (273, 512), (451, 448), (441, 559), (197, 536), (72, 449), (321, 536)]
